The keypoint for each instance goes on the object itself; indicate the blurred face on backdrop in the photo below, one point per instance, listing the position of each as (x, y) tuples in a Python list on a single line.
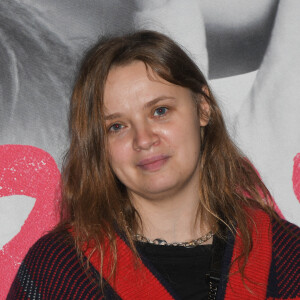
[(153, 132)]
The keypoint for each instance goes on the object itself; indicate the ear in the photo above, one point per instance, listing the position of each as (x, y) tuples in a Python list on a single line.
[(204, 107)]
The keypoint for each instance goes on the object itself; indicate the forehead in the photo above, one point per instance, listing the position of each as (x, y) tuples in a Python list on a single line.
[(136, 83), (129, 74)]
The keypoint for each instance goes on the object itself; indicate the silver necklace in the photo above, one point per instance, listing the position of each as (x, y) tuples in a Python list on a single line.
[(190, 244)]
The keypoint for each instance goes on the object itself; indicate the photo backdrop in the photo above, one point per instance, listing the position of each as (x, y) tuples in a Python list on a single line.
[(249, 51)]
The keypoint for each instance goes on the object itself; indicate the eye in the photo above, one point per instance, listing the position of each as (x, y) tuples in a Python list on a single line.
[(115, 127), (160, 111)]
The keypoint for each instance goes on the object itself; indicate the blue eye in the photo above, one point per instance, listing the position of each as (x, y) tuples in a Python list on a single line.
[(160, 111), (115, 127)]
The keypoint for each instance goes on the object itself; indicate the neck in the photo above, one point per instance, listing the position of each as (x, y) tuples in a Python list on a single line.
[(174, 219)]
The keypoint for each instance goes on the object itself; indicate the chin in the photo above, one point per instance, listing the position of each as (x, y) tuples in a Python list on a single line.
[(159, 188)]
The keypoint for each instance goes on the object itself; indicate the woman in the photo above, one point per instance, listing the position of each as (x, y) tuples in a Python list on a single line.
[(156, 199)]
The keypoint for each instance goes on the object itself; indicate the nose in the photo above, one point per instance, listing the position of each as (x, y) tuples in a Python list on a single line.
[(144, 137)]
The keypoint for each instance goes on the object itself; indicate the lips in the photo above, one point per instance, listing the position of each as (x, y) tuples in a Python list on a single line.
[(153, 163)]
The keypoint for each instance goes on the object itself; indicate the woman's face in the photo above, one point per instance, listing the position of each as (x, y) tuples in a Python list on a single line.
[(153, 132)]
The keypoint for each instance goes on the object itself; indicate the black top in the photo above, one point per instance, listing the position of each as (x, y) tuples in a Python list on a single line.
[(183, 268)]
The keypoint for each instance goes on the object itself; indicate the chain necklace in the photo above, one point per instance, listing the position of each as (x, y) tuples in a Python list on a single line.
[(190, 244)]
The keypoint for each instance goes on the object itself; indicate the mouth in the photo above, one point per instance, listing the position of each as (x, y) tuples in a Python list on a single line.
[(153, 163)]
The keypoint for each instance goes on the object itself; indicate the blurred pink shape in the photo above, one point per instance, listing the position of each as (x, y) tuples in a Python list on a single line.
[(296, 176), (29, 171)]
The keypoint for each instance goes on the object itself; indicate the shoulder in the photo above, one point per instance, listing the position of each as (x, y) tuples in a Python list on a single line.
[(285, 265), (49, 243), (286, 243), (285, 236), (52, 269), (276, 246), (285, 229), (280, 226), (52, 249)]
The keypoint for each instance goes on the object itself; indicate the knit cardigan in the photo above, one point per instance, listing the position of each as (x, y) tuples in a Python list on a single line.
[(52, 270)]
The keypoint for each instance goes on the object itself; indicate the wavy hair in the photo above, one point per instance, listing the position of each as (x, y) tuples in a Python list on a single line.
[(95, 202)]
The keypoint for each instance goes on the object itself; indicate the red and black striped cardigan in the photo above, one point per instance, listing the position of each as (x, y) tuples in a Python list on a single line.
[(52, 270)]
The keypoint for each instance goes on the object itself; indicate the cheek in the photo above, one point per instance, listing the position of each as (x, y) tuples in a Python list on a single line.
[(184, 134), (120, 154), (189, 143)]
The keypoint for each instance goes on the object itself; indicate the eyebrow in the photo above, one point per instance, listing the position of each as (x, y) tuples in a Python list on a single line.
[(147, 105), (155, 100)]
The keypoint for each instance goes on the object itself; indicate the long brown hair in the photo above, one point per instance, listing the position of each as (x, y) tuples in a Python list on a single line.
[(95, 202)]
